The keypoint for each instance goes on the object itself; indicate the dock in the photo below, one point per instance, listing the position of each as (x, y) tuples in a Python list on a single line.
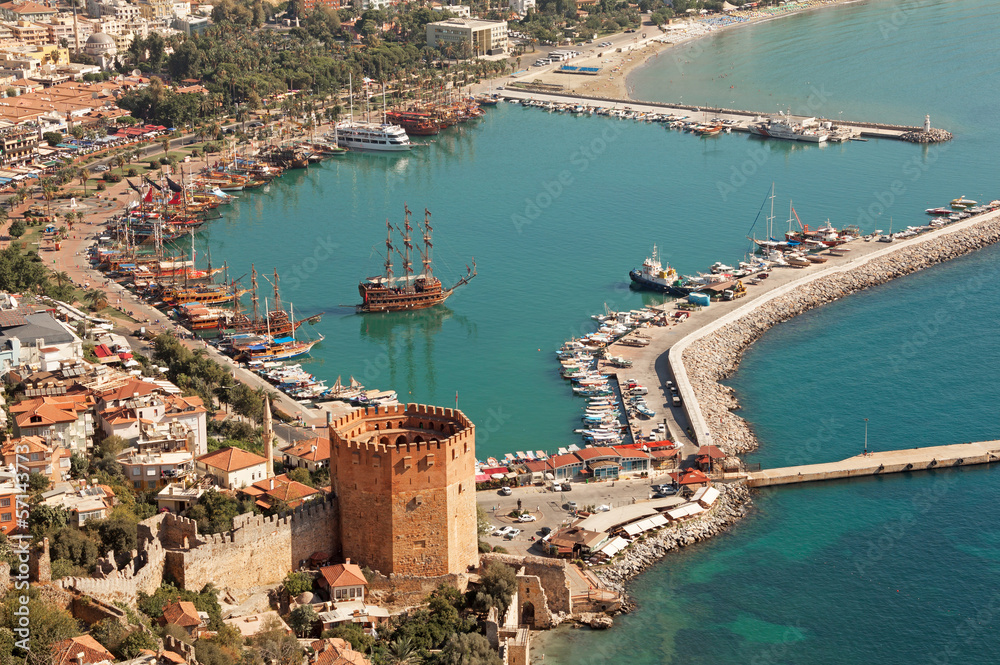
[(881, 463), (740, 119)]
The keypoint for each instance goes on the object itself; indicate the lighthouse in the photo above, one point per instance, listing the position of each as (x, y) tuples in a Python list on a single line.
[(927, 123)]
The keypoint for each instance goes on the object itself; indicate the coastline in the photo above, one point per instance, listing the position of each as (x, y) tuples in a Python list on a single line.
[(626, 90), (711, 355), (613, 81)]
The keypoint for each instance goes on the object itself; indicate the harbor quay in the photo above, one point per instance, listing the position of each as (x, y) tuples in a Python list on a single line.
[(712, 351), (735, 120), (881, 463)]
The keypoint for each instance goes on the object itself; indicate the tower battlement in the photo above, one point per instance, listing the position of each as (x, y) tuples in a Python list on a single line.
[(404, 477)]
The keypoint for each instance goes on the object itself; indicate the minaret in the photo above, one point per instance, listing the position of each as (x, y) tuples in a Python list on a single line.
[(268, 436), (76, 31)]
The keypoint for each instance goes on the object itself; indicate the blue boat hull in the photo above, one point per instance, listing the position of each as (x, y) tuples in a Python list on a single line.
[(641, 282)]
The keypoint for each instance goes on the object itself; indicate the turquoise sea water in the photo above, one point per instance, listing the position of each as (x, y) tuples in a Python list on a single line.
[(556, 209)]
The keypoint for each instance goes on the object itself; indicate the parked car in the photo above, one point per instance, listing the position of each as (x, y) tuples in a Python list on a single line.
[(100, 168), (603, 508), (527, 517), (546, 530), (511, 534), (566, 487), (506, 491), (503, 531), (571, 505), (489, 528)]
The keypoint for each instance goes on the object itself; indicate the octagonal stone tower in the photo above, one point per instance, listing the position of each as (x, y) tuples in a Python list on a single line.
[(404, 477)]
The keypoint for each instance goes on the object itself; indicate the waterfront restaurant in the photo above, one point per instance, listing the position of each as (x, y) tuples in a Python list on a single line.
[(633, 459), (603, 463), (708, 456), (565, 467)]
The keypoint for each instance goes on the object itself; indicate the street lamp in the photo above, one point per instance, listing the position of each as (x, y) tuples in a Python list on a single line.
[(866, 436)]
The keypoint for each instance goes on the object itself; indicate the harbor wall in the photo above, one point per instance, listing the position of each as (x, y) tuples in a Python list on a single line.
[(879, 464), (605, 101), (712, 353)]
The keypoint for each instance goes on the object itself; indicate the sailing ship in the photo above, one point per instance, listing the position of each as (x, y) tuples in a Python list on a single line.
[(275, 322), (387, 293)]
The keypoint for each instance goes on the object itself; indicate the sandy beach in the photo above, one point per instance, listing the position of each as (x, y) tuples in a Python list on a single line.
[(631, 51)]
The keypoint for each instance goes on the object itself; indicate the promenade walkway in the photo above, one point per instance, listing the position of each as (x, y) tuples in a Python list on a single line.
[(881, 463)]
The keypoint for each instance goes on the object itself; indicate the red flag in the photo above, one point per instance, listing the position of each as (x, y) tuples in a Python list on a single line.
[(149, 196), (176, 200)]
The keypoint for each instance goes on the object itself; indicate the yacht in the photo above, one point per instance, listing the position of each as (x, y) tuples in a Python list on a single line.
[(370, 136)]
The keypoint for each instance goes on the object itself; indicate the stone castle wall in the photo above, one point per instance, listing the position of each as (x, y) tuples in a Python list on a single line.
[(405, 480), (551, 573), (258, 551)]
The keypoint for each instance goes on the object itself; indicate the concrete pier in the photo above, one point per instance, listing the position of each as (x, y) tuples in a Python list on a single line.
[(741, 119), (881, 463)]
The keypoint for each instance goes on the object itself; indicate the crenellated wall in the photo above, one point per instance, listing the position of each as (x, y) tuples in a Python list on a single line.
[(404, 477), (257, 551)]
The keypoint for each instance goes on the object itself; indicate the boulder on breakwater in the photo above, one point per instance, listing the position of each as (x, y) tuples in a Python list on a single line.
[(733, 504), (922, 136), (716, 356)]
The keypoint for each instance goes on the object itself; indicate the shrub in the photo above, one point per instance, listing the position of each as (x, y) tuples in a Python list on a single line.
[(112, 177)]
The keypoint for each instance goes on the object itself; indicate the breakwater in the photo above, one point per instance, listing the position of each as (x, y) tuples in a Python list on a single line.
[(732, 505), (708, 356), (740, 117)]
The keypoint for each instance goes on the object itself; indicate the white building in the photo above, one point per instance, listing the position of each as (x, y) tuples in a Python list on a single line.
[(461, 11), (483, 37), (232, 468), (522, 7)]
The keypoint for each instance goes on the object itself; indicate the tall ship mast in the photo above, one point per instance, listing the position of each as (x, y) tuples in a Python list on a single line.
[(388, 293)]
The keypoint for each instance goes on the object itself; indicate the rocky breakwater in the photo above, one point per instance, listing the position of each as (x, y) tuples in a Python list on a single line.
[(926, 136), (733, 504), (716, 356)]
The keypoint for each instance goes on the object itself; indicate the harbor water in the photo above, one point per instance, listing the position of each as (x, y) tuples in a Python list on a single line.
[(556, 209)]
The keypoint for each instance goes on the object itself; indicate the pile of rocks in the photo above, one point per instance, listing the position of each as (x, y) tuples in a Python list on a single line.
[(716, 356), (731, 506), (932, 136)]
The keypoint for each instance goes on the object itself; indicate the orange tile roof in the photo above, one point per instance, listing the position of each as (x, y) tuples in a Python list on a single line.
[(593, 453), (231, 459), (42, 411), (133, 388), (304, 450), (343, 574), (64, 652), (335, 651), (182, 613), (285, 489)]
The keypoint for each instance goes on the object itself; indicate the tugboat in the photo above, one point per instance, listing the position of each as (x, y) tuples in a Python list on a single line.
[(386, 293), (652, 276)]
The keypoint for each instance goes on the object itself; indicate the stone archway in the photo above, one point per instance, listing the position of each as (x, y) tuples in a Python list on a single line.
[(528, 614)]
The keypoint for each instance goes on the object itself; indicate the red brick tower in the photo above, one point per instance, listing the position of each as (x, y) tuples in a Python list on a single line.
[(404, 477)]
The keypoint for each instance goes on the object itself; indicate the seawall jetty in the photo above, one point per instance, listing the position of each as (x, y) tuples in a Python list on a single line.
[(732, 505), (709, 355)]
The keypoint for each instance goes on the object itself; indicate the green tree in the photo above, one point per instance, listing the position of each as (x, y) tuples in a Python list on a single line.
[(297, 583), (17, 229), (38, 483), (302, 619), (498, 584), (300, 475), (468, 649), (135, 643), (53, 138), (49, 624), (275, 645), (117, 533)]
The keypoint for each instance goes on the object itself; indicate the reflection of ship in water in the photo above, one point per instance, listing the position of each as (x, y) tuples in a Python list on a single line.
[(402, 337)]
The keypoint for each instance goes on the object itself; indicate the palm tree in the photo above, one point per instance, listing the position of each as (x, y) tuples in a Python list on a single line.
[(165, 144), (120, 161), (401, 651), (49, 189), (96, 299)]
